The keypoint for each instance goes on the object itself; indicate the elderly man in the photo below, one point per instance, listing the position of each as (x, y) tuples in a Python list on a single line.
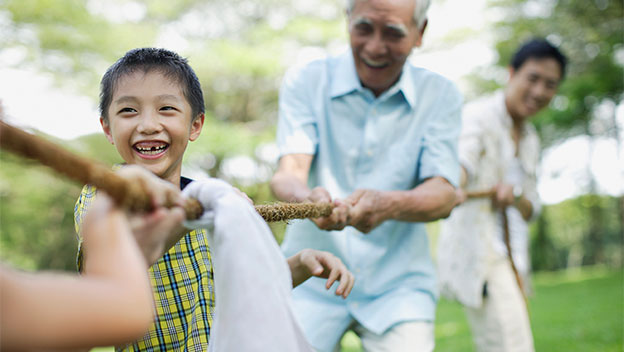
[(499, 152), (377, 136)]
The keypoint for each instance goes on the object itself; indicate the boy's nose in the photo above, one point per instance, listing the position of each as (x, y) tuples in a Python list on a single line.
[(149, 123)]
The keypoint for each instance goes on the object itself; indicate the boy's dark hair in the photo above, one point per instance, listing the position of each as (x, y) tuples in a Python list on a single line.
[(164, 61), (538, 49)]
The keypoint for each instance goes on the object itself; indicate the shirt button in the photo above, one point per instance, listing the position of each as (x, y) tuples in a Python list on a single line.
[(369, 152), (355, 305)]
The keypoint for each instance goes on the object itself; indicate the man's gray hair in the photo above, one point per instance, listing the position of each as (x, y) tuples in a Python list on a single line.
[(420, 10)]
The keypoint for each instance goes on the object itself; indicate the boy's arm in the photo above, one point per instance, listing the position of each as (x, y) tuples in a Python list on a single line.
[(111, 304), (310, 262)]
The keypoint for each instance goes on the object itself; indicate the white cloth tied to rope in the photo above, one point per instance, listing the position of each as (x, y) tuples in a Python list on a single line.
[(251, 277)]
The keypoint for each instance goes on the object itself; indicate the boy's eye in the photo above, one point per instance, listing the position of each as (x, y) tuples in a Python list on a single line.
[(127, 110), (168, 108)]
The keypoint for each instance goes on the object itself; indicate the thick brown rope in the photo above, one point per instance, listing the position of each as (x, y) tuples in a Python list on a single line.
[(124, 193), (289, 211), (506, 240)]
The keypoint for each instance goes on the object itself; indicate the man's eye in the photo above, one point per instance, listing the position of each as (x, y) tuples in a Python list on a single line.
[(394, 35), (363, 28)]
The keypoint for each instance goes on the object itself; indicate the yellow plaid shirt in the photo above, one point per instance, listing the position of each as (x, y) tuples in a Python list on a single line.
[(182, 282)]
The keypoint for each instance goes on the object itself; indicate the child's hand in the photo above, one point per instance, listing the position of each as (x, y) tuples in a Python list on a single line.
[(312, 262), (161, 192), (157, 231)]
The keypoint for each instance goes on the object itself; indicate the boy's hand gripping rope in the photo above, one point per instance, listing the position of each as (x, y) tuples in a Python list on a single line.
[(125, 193)]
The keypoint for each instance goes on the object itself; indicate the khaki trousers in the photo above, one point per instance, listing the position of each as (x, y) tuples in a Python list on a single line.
[(502, 323), (412, 336)]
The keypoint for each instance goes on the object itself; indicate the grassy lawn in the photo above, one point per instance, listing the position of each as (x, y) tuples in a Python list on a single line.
[(579, 310), (570, 311)]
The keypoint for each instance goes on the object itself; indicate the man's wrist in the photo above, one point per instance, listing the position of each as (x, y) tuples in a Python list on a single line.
[(388, 205)]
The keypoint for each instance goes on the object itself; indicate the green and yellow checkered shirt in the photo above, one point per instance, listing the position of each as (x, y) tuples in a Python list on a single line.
[(182, 281)]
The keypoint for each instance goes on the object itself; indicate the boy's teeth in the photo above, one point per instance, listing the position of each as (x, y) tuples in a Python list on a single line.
[(151, 150)]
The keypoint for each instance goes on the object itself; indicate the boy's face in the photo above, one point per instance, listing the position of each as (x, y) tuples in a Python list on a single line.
[(150, 123)]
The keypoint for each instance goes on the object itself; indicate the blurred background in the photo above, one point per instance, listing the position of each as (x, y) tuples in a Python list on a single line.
[(54, 52)]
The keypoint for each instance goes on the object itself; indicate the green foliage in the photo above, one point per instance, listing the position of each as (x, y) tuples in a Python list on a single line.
[(36, 216), (590, 34), (569, 226)]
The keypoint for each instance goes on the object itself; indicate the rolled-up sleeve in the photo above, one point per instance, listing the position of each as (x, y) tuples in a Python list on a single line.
[(296, 129), (439, 154), (532, 150)]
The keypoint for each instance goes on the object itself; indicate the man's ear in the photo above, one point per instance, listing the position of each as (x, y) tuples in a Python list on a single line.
[(421, 32), (196, 127), (107, 131), (512, 71)]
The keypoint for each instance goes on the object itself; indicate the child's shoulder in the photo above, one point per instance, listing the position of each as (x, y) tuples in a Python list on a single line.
[(86, 197)]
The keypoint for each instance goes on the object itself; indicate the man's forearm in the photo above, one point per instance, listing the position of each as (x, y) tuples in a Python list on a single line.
[(430, 201), (289, 188)]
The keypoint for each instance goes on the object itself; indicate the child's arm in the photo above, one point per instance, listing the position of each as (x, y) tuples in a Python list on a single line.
[(311, 262), (111, 304)]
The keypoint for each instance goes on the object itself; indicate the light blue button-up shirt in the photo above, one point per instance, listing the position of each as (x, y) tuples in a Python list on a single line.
[(392, 142)]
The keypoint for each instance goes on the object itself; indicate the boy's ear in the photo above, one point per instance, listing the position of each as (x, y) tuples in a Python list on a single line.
[(107, 130), (196, 127)]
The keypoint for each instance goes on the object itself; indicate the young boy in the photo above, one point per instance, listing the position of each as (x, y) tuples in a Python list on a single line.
[(151, 106)]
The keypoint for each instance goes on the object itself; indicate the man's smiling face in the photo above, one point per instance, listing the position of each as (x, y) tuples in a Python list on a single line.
[(531, 87), (382, 34)]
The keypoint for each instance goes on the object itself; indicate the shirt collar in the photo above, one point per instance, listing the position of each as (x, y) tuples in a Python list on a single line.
[(407, 85), (505, 118), (345, 80)]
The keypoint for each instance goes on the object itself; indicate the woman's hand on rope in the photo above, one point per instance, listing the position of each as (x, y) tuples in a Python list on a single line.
[(368, 209), (339, 217), (157, 231), (312, 262)]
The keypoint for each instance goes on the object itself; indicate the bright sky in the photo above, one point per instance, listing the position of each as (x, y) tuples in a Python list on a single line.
[(31, 99)]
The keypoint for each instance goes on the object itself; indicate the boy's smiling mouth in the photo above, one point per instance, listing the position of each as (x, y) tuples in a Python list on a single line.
[(151, 149)]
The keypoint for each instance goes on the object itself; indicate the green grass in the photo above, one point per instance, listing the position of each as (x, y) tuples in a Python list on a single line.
[(579, 310), (571, 311)]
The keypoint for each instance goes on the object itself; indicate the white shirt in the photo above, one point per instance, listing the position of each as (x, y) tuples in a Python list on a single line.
[(471, 238)]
